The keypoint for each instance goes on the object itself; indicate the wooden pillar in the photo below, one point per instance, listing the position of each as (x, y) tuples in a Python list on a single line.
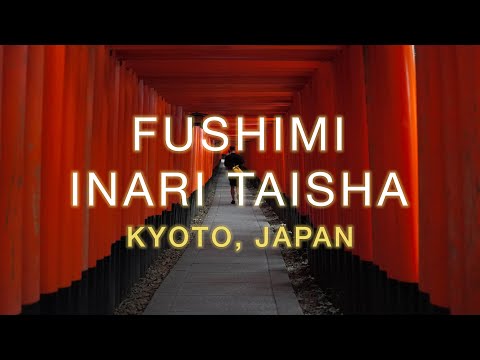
[(449, 93), (33, 173), (82, 126), (433, 212), (351, 100), (88, 253), (51, 168), (68, 215), (392, 133), (11, 181)]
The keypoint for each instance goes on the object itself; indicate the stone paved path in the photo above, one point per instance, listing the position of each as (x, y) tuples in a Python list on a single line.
[(213, 281)]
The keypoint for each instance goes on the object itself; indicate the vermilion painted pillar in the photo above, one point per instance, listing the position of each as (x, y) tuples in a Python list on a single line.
[(148, 144), (189, 167), (98, 163), (68, 215), (112, 140), (163, 156), (116, 150), (101, 131), (454, 154), (128, 141), (51, 168), (109, 92), (392, 133), (88, 250), (321, 92), (81, 129), (94, 214), (124, 128), (324, 104), (11, 181), (1, 82), (122, 149), (298, 163), (433, 208), (140, 156), (468, 126), (109, 230), (153, 150), (171, 158), (273, 160), (135, 205), (311, 159), (351, 100), (32, 182), (195, 161), (181, 159), (448, 84), (279, 156), (287, 155)]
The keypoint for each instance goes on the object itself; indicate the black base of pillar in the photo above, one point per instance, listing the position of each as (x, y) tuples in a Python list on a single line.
[(364, 287), (102, 288)]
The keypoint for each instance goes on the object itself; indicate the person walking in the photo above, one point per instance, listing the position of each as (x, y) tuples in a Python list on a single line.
[(232, 160)]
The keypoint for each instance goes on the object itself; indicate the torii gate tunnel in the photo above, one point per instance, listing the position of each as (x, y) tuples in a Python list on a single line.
[(411, 110)]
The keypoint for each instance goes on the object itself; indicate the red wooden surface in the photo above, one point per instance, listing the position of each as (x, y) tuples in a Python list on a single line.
[(52, 178), (32, 173), (433, 249), (351, 102), (11, 182), (448, 82), (390, 90), (67, 108)]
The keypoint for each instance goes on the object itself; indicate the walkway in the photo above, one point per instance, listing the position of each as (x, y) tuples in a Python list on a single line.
[(213, 281)]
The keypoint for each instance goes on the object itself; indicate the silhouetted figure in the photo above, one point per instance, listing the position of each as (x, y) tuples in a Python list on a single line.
[(232, 160)]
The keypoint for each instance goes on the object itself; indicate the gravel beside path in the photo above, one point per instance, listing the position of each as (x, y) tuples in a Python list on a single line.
[(141, 293), (312, 298)]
